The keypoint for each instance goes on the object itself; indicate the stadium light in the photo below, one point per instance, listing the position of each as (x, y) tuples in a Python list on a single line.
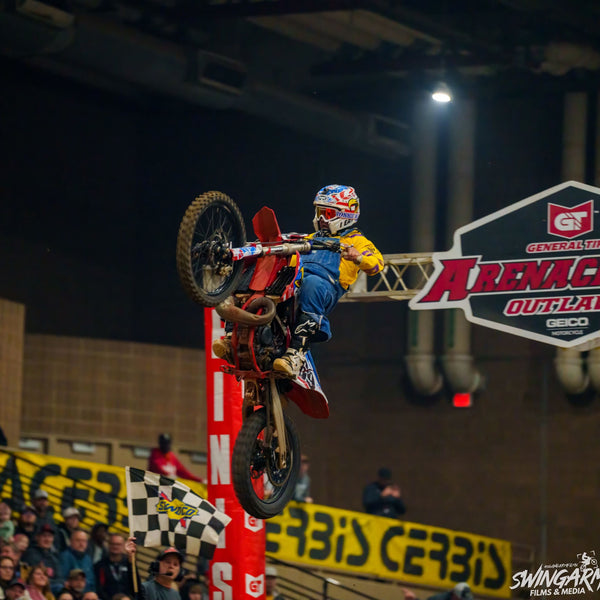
[(442, 93)]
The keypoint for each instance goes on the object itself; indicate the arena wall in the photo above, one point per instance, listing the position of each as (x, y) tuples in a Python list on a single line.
[(518, 465)]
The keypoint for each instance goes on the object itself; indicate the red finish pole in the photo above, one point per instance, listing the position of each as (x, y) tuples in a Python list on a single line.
[(237, 570)]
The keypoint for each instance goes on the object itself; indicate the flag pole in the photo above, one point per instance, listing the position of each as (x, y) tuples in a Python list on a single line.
[(134, 574), (132, 555)]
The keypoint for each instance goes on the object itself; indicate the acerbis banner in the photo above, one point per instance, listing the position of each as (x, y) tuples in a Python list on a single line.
[(306, 534), (92, 487), (331, 538)]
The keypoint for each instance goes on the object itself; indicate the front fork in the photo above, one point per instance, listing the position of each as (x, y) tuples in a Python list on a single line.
[(269, 397)]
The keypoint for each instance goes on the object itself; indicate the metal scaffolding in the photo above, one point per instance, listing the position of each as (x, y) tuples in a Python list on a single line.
[(402, 277)]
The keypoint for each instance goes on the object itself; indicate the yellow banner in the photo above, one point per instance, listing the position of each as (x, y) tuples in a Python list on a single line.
[(97, 490), (331, 538), (307, 534)]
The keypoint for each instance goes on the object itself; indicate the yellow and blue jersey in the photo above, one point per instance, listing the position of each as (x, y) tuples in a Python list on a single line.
[(339, 269)]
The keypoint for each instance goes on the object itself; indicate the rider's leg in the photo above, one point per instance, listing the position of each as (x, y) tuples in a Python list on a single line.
[(291, 362), (222, 347), (317, 298)]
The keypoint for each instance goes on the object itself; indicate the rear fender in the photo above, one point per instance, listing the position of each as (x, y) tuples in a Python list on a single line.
[(307, 393)]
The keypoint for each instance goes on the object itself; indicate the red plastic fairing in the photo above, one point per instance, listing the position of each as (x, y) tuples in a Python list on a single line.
[(311, 402), (265, 226)]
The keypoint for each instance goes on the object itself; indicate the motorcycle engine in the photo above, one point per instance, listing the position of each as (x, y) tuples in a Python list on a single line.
[(263, 347)]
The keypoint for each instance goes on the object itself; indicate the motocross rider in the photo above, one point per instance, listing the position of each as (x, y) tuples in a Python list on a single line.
[(326, 275)]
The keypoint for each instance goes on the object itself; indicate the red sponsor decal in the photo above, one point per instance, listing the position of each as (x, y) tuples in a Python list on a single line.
[(458, 280), (570, 222)]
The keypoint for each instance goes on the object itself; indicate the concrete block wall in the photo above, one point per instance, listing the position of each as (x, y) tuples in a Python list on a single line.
[(12, 334), (519, 465), (87, 388)]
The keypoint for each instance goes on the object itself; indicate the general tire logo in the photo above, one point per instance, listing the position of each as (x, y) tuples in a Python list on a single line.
[(569, 222), (531, 269)]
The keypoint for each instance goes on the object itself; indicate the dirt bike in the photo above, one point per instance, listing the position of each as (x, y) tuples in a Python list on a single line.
[(253, 287)]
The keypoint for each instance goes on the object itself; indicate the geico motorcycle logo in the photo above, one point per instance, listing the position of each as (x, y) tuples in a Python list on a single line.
[(571, 322), (570, 222), (255, 585)]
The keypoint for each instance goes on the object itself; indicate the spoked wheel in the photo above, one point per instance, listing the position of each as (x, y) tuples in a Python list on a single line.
[(211, 225), (261, 484)]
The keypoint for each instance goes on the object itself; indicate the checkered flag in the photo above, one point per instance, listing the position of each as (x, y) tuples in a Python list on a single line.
[(163, 512)]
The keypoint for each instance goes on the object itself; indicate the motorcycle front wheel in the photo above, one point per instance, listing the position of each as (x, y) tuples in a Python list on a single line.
[(262, 487), (211, 225)]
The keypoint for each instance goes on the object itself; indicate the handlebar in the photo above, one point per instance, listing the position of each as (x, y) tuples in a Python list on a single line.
[(256, 249)]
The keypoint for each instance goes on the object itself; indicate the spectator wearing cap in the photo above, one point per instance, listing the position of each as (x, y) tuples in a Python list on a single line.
[(461, 591), (43, 508), (166, 570), (42, 552), (75, 557), (71, 518), (271, 583), (164, 461), (112, 571), (382, 497), (27, 522), (16, 590), (75, 584)]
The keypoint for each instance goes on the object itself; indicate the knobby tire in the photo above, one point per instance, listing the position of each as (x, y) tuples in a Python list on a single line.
[(228, 226), (243, 454)]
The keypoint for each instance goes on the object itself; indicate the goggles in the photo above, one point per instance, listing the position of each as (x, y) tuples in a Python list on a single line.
[(325, 212)]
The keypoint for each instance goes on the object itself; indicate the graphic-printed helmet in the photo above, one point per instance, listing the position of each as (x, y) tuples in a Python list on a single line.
[(336, 208)]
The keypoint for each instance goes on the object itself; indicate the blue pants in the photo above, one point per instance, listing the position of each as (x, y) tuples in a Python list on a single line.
[(318, 297)]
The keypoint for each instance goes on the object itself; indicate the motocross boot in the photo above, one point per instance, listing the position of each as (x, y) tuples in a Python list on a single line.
[(222, 348), (293, 359)]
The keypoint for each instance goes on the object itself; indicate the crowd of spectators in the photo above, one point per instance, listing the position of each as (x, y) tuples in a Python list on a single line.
[(43, 557)]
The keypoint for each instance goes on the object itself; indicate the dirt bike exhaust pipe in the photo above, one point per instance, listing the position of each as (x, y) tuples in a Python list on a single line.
[(229, 312)]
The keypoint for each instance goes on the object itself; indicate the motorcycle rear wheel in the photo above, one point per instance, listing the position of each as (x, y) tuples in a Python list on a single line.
[(210, 226), (253, 459)]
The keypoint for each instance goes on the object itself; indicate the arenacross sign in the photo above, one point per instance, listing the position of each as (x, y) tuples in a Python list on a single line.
[(531, 269)]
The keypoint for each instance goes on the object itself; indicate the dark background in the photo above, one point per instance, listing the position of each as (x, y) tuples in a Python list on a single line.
[(94, 187), (95, 178)]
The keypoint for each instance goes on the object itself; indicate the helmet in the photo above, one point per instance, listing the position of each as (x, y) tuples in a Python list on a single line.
[(336, 207)]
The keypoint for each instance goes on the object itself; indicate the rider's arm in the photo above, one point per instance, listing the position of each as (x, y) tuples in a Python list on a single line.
[(371, 260)]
